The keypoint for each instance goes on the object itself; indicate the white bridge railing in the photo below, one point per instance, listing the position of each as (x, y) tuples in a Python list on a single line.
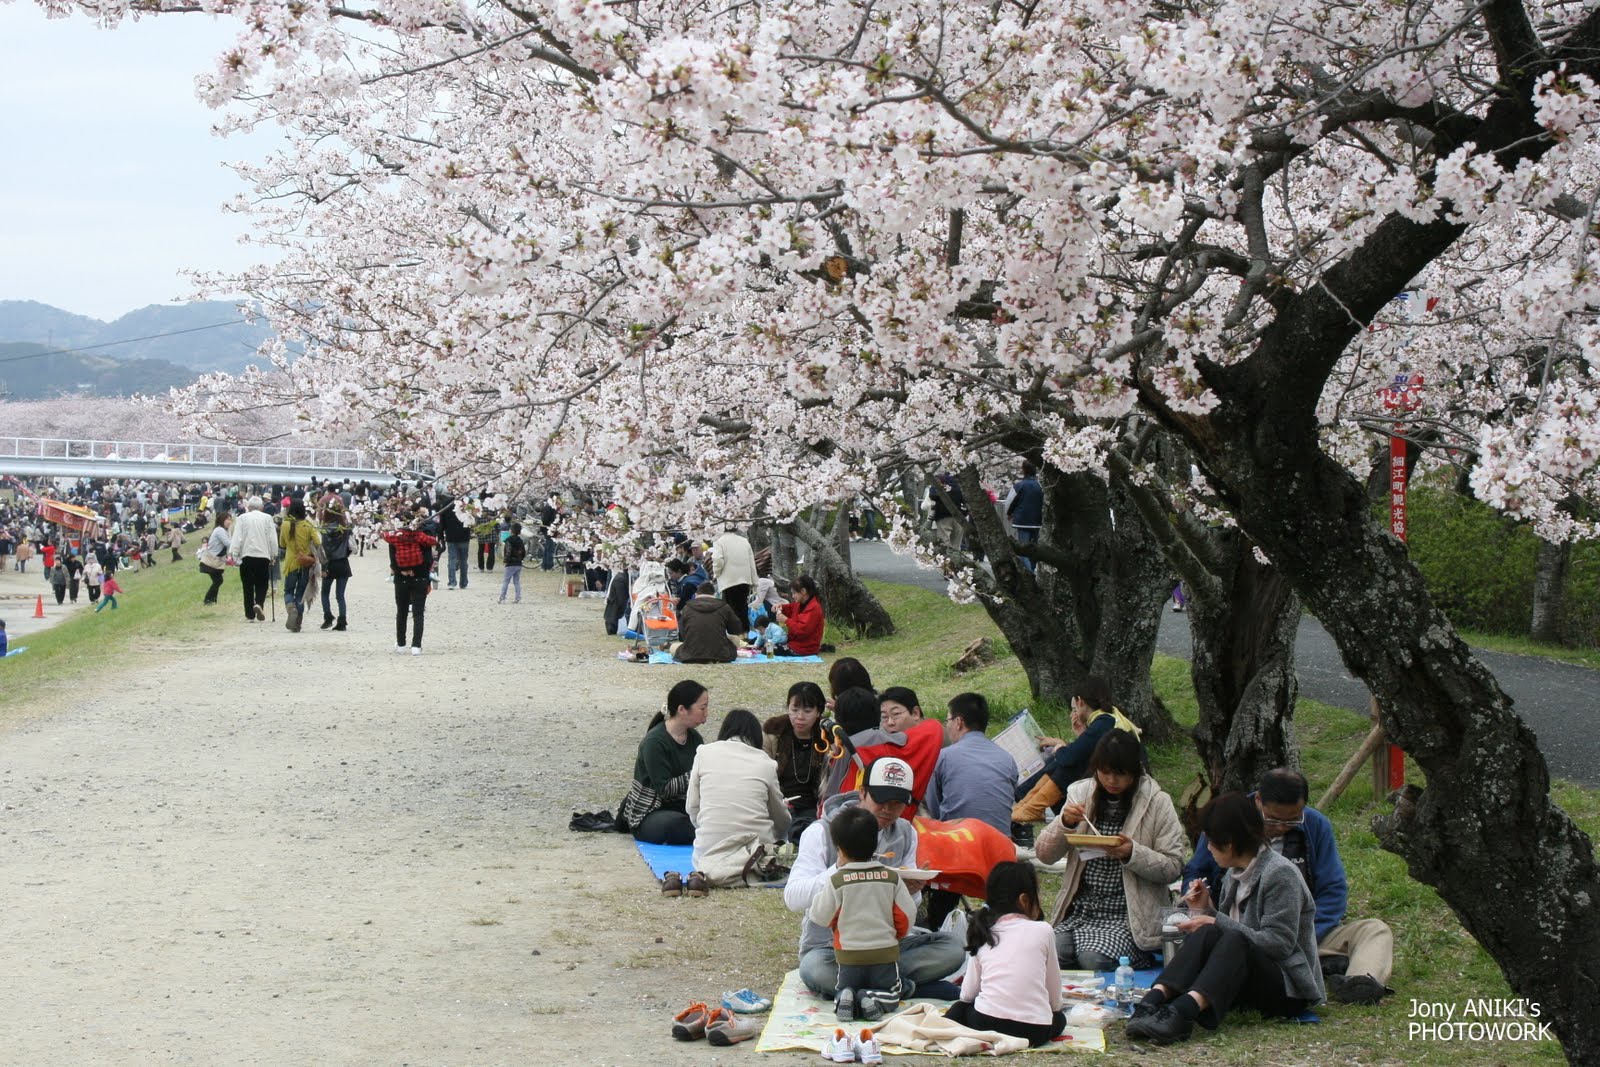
[(217, 455)]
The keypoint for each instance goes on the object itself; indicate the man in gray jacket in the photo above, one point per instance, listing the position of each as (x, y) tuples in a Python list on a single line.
[(925, 956)]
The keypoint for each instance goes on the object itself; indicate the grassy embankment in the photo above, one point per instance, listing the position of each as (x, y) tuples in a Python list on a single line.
[(1436, 960), (749, 938), (158, 610)]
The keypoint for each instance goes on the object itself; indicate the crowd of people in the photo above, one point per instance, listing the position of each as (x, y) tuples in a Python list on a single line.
[(887, 818)]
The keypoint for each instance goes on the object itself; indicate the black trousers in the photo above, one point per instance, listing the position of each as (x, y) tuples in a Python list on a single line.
[(486, 555), (663, 827), (253, 573), (410, 593), (216, 583), (1232, 972), (737, 597), (1035, 1034)]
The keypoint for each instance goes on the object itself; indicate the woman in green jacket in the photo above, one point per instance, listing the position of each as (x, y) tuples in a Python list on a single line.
[(299, 540)]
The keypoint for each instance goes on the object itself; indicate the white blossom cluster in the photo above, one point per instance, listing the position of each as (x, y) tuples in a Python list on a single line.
[(735, 259)]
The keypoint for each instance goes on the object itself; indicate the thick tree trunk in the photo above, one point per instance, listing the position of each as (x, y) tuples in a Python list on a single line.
[(845, 601), (1092, 606), (1550, 591), (1242, 667), (1518, 873)]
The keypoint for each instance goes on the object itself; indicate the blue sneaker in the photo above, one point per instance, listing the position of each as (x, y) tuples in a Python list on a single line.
[(746, 1002)]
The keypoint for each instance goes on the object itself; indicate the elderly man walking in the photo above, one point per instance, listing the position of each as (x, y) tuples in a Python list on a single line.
[(253, 541)]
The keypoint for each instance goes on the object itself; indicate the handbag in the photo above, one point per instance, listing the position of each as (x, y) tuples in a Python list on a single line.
[(208, 561), (741, 860), (305, 559)]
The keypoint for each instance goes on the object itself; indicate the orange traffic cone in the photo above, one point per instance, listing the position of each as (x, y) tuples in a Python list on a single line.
[(38, 608)]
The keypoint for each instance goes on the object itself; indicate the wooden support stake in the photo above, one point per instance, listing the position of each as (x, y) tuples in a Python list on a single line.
[(1373, 740), (1380, 760)]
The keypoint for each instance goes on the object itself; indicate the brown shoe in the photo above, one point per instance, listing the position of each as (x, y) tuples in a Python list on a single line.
[(690, 1023), (1031, 808), (672, 884), (697, 885)]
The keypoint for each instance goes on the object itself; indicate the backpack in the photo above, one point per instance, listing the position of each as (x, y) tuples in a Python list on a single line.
[(516, 552)]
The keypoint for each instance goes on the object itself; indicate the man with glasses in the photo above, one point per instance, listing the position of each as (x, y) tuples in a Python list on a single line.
[(1357, 957)]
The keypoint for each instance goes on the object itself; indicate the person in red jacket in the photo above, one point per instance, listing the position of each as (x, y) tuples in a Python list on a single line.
[(803, 618)]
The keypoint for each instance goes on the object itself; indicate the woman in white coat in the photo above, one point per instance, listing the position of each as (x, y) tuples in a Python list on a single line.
[(733, 789)]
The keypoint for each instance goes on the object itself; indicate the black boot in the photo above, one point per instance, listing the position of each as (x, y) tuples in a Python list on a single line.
[(327, 621), (340, 624)]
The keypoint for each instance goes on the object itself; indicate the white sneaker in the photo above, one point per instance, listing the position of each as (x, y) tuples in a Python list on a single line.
[(867, 1048), (399, 650), (416, 651), (840, 1048)]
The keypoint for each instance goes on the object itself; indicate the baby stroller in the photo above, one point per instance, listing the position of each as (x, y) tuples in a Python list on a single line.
[(660, 619)]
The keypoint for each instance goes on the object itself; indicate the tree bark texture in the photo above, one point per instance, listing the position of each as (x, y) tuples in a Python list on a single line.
[(1092, 606), (1510, 863), (1242, 667), (845, 600), (1550, 591)]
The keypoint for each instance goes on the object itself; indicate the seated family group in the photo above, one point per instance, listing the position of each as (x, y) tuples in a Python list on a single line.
[(896, 817)]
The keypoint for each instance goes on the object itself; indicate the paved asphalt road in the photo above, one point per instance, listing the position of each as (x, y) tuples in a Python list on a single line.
[(1560, 702)]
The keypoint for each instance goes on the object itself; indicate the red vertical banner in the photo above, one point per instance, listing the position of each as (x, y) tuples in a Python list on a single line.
[(1397, 487)]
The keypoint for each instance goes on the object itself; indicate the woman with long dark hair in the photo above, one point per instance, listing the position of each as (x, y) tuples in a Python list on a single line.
[(654, 807), (298, 539), (1111, 896), (336, 550), (793, 740)]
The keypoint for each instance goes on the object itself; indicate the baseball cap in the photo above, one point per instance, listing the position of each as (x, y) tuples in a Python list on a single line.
[(889, 780)]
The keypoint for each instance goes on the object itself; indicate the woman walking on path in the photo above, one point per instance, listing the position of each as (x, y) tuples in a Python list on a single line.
[(93, 575), (108, 593), (298, 539), (58, 582), (213, 556), (336, 549)]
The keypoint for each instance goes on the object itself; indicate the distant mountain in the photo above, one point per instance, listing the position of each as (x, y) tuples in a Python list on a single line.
[(207, 335), (34, 372)]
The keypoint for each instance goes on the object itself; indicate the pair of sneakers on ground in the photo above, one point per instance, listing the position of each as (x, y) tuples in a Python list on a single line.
[(735, 1021), (868, 1004), (842, 1048)]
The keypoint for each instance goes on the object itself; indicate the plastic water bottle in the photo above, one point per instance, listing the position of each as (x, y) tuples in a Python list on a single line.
[(1124, 983)]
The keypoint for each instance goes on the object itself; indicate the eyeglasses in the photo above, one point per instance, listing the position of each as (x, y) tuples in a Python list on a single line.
[(1287, 824)]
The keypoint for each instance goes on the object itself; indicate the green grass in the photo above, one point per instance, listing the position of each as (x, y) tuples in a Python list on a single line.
[(1526, 646), (159, 609), (1435, 959)]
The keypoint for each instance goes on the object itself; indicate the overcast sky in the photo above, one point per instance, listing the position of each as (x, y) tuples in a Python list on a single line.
[(111, 181)]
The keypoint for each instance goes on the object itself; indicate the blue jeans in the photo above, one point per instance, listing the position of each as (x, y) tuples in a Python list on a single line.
[(458, 562), (294, 587), (548, 562), (1027, 535), (513, 578), (337, 585), (924, 957)]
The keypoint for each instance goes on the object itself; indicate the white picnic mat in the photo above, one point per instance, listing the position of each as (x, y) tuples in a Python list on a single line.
[(800, 1021)]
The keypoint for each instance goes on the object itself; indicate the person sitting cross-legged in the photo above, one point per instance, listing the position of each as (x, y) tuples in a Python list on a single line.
[(925, 956), (1357, 957), (1256, 949)]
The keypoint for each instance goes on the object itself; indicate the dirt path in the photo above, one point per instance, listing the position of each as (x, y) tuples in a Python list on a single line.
[(304, 849)]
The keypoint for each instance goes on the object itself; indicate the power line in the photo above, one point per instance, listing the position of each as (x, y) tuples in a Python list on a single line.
[(124, 341)]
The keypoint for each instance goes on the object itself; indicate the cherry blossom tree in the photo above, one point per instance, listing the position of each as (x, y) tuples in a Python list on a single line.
[(530, 240)]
